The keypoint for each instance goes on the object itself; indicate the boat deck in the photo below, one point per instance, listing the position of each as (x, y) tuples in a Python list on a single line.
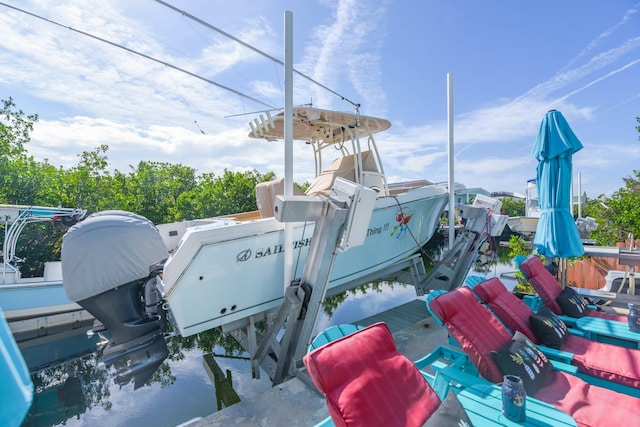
[(401, 317), (294, 404)]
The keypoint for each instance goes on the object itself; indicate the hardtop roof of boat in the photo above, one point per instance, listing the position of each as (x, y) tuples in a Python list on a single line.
[(317, 124), (11, 213)]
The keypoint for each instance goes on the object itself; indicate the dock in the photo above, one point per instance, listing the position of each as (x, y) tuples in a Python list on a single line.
[(293, 403)]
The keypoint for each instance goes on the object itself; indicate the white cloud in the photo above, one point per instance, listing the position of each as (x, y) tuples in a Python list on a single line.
[(147, 111), (347, 48)]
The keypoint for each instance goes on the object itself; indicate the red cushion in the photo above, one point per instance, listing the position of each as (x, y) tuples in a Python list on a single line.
[(509, 308), (608, 316), (548, 288), (476, 330), (543, 282), (606, 361), (590, 406), (367, 382)]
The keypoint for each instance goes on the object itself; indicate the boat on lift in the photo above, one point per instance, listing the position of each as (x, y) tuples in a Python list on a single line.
[(232, 268), (229, 269)]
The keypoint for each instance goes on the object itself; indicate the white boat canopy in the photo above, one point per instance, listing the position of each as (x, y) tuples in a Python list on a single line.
[(314, 124), (324, 128)]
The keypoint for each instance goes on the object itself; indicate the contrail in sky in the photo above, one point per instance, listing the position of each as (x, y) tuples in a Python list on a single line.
[(628, 14), (606, 76)]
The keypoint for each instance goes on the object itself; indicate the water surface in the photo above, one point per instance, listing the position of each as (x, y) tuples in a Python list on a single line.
[(203, 373)]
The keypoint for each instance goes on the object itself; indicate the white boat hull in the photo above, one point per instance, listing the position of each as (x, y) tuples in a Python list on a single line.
[(35, 299), (22, 298), (224, 272), (523, 224)]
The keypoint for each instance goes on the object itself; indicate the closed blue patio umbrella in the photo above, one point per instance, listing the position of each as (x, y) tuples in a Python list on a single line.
[(557, 234)]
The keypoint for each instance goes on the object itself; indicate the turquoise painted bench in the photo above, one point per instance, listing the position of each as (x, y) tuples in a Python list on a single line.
[(333, 333), (483, 400), (609, 331)]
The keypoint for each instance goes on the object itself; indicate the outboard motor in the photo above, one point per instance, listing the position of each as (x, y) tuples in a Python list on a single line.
[(106, 262)]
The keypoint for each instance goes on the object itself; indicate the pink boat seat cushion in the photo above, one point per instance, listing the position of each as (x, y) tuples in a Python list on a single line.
[(608, 316), (549, 289), (367, 382), (601, 360), (549, 330), (476, 330), (606, 361), (508, 307), (590, 406)]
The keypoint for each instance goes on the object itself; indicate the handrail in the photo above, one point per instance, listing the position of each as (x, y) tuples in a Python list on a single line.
[(16, 217)]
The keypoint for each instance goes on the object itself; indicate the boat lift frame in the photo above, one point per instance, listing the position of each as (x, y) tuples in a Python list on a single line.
[(341, 221), (337, 220)]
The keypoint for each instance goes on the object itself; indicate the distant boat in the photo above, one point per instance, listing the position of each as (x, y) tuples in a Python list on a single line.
[(526, 225), (26, 299)]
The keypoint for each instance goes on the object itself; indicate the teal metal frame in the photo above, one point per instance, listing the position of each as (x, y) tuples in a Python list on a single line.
[(481, 398)]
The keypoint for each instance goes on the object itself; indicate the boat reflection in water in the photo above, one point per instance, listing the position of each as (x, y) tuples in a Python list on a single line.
[(75, 389)]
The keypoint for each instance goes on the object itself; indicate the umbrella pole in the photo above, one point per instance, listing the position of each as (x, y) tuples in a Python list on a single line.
[(562, 272), (555, 269)]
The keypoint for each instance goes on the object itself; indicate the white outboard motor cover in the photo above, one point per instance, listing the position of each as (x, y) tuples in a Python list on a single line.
[(106, 250)]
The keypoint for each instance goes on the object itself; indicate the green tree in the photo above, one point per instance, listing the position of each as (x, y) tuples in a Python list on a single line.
[(19, 173), (231, 193), (87, 185), (617, 216), (15, 129), (154, 188), (513, 207), (518, 246)]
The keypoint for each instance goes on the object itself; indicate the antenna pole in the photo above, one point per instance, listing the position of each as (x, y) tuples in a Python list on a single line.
[(452, 206), (288, 142)]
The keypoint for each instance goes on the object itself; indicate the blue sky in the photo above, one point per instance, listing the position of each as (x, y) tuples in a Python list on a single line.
[(510, 61)]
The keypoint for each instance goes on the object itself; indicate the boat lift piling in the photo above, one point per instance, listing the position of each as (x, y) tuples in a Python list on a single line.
[(481, 222)]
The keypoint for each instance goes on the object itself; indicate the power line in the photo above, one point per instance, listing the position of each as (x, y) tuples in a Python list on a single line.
[(248, 46), (182, 70)]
